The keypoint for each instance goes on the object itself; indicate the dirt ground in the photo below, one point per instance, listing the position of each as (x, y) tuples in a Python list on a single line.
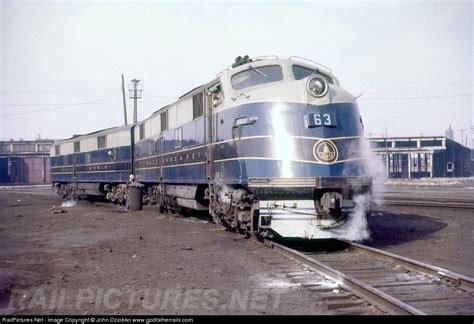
[(99, 259), (440, 237), (443, 237)]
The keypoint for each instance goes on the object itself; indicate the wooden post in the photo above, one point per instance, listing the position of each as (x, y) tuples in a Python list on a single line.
[(124, 102)]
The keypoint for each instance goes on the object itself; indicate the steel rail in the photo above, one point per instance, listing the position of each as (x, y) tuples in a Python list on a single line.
[(459, 280), (358, 287), (370, 293), (431, 202)]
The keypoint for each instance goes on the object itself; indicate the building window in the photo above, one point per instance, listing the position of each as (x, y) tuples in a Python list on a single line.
[(450, 166), (164, 121), (198, 105), (431, 143), (422, 166), (57, 150), (406, 143), (395, 163), (178, 137), (384, 144), (101, 142), (142, 131), (77, 147), (414, 162)]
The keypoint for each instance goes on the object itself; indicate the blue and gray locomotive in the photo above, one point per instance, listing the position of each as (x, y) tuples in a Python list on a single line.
[(270, 147)]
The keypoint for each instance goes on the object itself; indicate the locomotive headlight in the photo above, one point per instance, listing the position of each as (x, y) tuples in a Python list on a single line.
[(317, 86)]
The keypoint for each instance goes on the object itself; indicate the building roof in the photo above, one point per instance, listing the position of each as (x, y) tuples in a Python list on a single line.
[(416, 138)]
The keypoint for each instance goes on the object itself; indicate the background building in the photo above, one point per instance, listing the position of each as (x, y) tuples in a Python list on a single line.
[(25, 162), (422, 156)]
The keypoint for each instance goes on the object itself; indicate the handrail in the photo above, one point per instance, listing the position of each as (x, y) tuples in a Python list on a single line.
[(275, 57)]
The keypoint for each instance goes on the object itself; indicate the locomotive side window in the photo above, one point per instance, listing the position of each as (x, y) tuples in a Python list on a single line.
[(101, 142), (57, 150), (216, 95), (256, 75), (301, 72), (164, 121), (198, 105)]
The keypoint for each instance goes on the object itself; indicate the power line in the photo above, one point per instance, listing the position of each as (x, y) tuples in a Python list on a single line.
[(158, 96), (154, 101), (60, 104), (50, 104), (93, 102), (84, 90), (55, 108), (419, 97), (444, 85), (423, 89)]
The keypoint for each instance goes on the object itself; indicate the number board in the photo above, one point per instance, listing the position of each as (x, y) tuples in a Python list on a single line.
[(320, 119)]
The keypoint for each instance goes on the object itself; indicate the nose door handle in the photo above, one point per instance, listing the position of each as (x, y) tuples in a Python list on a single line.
[(239, 123)]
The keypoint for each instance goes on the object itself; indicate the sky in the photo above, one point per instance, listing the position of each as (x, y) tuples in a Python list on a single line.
[(410, 63)]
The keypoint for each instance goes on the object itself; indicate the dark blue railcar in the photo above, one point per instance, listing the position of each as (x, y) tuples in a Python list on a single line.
[(92, 164), (270, 146)]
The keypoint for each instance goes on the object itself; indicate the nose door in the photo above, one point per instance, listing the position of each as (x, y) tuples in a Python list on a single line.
[(214, 98), (209, 138)]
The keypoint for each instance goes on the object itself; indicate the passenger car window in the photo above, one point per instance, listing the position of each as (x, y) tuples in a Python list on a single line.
[(101, 142), (256, 75), (77, 147), (164, 121), (142, 131)]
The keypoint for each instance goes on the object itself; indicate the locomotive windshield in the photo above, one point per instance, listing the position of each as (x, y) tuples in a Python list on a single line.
[(257, 75), (301, 72)]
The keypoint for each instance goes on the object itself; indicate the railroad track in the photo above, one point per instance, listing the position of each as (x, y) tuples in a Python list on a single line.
[(467, 203), (395, 284)]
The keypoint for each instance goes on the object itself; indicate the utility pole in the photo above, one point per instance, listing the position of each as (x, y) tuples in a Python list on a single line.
[(124, 101), (135, 91)]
